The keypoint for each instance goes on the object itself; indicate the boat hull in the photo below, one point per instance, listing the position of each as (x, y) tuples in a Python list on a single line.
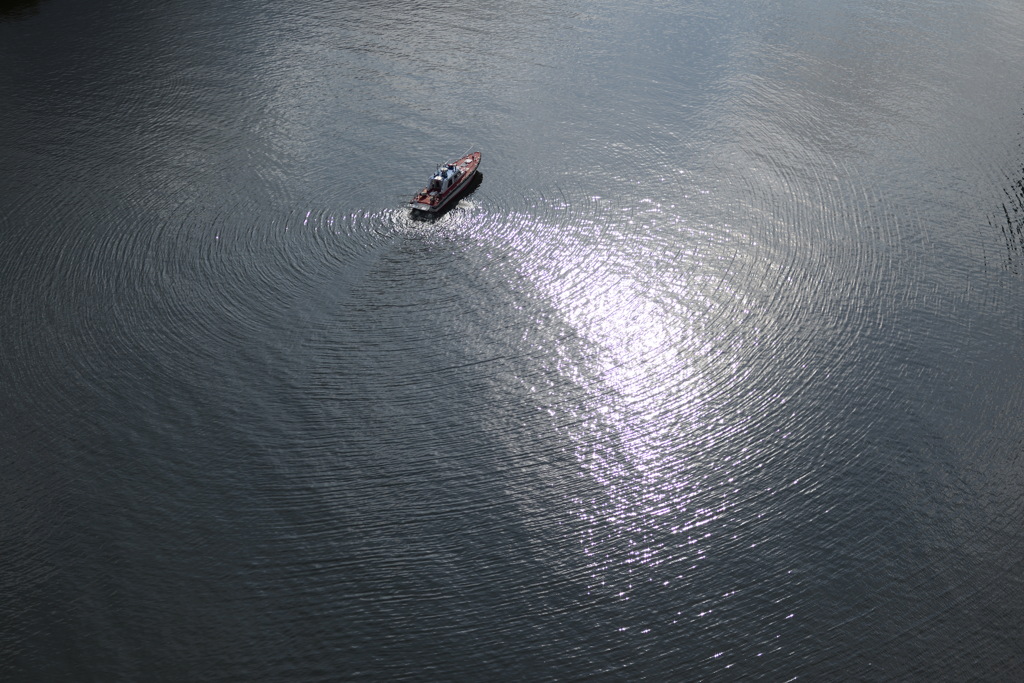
[(428, 202)]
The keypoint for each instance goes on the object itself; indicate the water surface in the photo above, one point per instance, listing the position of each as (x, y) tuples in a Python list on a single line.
[(715, 374)]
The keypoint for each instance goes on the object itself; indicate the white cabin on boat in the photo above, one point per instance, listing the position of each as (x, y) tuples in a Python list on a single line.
[(444, 178)]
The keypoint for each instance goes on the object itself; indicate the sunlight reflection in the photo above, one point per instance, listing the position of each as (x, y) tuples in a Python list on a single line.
[(647, 424)]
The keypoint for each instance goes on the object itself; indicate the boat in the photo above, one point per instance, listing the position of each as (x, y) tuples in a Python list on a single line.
[(446, 184)]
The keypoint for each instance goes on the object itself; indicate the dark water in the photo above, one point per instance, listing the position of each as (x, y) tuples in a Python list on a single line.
[(717, 374)]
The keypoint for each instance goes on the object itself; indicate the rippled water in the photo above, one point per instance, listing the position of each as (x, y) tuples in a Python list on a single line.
[(715, 374)]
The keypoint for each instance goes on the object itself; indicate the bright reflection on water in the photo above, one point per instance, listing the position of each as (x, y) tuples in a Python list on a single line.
[(661, 358)]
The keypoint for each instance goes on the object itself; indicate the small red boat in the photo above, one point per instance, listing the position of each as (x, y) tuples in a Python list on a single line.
[(446, 184)]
